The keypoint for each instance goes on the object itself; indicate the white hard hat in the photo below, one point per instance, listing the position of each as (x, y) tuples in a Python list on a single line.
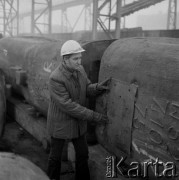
[(71, 47)]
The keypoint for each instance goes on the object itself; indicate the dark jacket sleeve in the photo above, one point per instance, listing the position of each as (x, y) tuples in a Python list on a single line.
[(62, 98), (91, 88)]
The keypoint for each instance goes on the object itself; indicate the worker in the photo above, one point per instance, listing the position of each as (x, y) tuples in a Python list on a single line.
[(67, 114)]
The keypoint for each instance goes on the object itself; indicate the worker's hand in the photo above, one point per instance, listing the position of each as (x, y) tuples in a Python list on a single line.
[(103, 85), (100, 118)]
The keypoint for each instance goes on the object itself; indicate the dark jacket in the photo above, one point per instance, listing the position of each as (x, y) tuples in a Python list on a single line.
[(67, 116)]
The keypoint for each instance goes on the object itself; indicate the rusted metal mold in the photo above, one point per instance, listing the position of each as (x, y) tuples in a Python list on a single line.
[(143, 102), (18, 168), (31, 60)]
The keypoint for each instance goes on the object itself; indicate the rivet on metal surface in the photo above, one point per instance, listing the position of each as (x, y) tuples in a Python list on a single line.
[(153, 139), (157, 123), (173, 137)]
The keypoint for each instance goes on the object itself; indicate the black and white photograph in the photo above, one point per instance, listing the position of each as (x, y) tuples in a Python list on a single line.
[(89, 89)]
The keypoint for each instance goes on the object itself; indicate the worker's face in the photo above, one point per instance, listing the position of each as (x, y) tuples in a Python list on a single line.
[(74, 61)]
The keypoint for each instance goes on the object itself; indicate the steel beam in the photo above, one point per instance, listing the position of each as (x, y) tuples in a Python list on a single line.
[(50, 17), (95, 17), (10, 17), (65, 24), (17, 15), (78, 19), (88, 17), (118, 20), (124, 18), (136, 6), (32, 17), (104, 20), (36, 23), (172, 14), (59, 6), (36, 14)]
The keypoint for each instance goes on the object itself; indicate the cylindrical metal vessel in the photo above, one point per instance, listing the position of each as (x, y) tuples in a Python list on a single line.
[(143, 102), (14, 167), (32, 59)]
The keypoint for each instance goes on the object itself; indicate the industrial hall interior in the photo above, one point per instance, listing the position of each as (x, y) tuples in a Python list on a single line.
[(89, 89)]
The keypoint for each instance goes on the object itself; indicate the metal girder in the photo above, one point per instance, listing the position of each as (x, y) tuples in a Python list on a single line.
[(9, 17), (38, 24), (122, 10), (65, 24), (105, 23), (78, 18), (124, 18), (118, 19), (130, 8), (95, 21), (172, 14), (88, 17), (60, 6)]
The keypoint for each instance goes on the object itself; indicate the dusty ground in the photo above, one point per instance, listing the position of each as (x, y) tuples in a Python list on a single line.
[(17, 140)]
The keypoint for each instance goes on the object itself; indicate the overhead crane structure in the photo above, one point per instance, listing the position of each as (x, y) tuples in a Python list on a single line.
[(46, 11), (9, 17), (98, 14), (121, 10)]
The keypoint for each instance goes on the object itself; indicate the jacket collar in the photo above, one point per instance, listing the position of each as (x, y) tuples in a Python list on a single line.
[(65, 70)]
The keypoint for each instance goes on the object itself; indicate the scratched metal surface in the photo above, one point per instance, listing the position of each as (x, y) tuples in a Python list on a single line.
[(153, 65), (16, 167), (38, 57), (120, 108)]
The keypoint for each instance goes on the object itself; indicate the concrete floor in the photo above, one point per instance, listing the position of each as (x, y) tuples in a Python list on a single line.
[(18, 141)]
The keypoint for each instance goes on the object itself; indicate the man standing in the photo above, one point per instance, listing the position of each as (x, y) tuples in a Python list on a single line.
[(67, 114)]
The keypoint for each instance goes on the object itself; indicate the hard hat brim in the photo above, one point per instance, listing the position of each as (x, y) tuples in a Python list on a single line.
[(68, 53)]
